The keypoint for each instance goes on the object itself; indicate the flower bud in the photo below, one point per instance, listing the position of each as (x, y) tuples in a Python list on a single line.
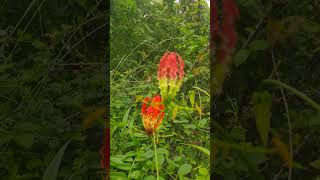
[(170, 74)]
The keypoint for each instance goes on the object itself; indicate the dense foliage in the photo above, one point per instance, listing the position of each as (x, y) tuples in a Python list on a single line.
[(257, 123), (141, 32), (52, 76), (53, 95)]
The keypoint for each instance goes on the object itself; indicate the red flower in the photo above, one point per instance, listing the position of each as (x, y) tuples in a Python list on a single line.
[(170, 74), (226, 33), (171, 66), (215, 20), (105, 153), (230, 11), (152, 113)]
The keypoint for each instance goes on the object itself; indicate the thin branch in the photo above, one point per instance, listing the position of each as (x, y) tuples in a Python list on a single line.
[(24, 30), (287, 113), (83, 38), (23, 16)]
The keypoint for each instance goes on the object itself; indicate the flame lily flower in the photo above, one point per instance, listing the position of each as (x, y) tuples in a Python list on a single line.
[(153, 114), (224, 30), (170, 74)]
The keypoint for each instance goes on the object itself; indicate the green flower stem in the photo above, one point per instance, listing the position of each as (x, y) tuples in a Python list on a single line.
[(156, 153), (294, 91)]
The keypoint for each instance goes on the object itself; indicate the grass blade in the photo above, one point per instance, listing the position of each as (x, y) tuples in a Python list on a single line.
[(51, 172), (204, 150)]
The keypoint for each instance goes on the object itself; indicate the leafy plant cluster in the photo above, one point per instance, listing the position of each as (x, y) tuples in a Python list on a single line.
[(141, 31), (266, 120), (52, 76)]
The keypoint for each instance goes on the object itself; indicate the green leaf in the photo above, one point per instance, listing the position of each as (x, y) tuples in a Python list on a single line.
[(140, 156), (258, 45), (131, 154), (202, 178), (294, 91), (128, 159), (315, 164), (204, 150), (261, 105), (136, 174), (122, 166), (149, 178), (148, 154), (203, 171), (51, 172), (241, 57), (126, 115), (203, 123), (113, 129), (191, 98), (162, 151), (24, 140), (117, 162), (142, 135), (117, 159), (118, 175), (219, 72), (125, 119), (161, 160), (184, 169)]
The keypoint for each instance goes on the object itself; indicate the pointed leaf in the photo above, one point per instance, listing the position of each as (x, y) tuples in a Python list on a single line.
[(204, 150), (51, 172), (241, 57), (315, 164), (261, 104), (191, 98)]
